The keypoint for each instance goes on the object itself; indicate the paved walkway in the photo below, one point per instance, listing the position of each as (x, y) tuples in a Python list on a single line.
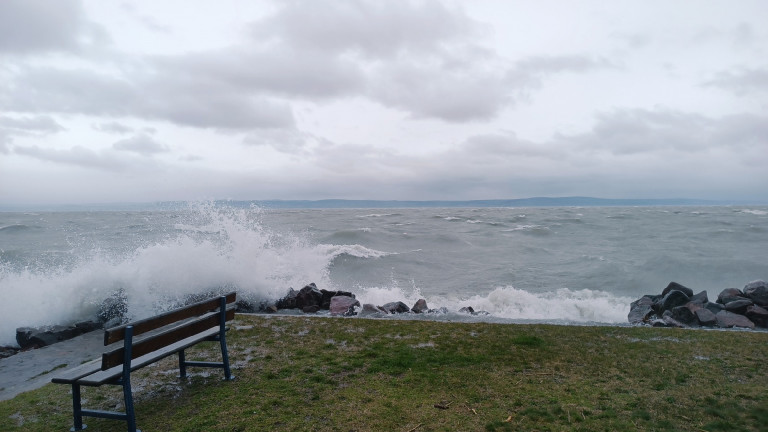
[(31, 369)]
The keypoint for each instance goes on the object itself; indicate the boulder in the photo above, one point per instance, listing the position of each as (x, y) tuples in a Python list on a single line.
[(420, 306), (714, 307), (672, 299), (706, 317), (369, 309), (29, 337), (682, 314), (670, 321), (467, 309), (738, 306), (757, 315), (328, 295), (641, 309), (757, 291), (310, 309), (7, 351), (289, 301), (727, 319), (343, 305), (395, 307), (114, 306), (729, 294), (674, 286), (700, 298), (309, 296)]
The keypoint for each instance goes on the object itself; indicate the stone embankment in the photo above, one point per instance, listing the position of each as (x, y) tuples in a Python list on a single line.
[(678, 306)]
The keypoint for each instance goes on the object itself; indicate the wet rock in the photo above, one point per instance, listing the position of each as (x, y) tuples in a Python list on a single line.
[(309, 296), (641, 309), (328, 295), (671, 321), (311, 309), (757, 315), (757, 291), (706, 317), (727, 319), (289, 301), (729, 294), (114, 306), (738, 306), (369, 309), (700, 298), (343, 305), (420, 306), (674, 286), (714, 307), (671, 300), (467, 309), (29, 337), (7, 351), (395, 307), (682, 314)]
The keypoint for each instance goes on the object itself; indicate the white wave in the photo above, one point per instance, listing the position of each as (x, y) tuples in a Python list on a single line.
[(755, 212), (561, 305)]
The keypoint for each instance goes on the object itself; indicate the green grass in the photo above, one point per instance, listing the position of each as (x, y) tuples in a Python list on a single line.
[(325, 374)]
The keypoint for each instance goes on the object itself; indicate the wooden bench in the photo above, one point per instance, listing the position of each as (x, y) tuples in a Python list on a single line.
[(161, 336)]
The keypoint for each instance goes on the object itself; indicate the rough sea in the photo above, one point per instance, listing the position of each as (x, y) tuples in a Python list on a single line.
[(567, 265)]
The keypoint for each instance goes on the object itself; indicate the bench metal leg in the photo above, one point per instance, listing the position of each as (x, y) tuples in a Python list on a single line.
[(223, 338), (182, 365), (77, 409)]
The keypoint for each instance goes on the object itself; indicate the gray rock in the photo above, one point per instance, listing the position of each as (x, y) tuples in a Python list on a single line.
[(727, 319), (395, 307), (343, 305), (729, 294), (672, 299), (311, 309), (682, 314), (670, 321), (757, 291), (467, 309), (369, 309), (328, 295), (420, 306), (757, 315), (674, 286), (714, 307), (289, 301), (738, 306), (641, 309), (700, 298), (309, 296), (706, 317)]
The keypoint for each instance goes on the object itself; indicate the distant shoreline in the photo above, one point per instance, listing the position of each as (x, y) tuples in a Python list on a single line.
[(575, 201)]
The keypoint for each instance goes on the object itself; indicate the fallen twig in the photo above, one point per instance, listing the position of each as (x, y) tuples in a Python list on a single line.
[(417, 426)]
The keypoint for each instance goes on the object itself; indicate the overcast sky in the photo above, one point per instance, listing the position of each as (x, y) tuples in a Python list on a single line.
[(140, 101)]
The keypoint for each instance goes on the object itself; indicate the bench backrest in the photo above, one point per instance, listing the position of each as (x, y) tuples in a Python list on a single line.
[(206, 314)]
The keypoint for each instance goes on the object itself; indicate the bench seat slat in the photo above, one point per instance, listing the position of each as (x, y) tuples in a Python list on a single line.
[(101, 377), (77, 372)]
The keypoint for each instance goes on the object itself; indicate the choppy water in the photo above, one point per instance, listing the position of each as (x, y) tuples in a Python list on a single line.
[(559, 264)]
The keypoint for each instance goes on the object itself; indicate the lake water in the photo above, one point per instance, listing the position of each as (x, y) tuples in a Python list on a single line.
[(572, 265)]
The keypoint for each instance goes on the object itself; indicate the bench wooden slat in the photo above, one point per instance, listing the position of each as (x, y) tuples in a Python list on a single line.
[(104, 376), (116, 334), (77, 372), (167, 337)]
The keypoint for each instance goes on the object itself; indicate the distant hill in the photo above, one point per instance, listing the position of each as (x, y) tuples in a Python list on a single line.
[(341, 203), (522, 202)]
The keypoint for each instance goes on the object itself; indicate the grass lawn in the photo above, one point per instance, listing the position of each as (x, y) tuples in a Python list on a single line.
[(304, 373)]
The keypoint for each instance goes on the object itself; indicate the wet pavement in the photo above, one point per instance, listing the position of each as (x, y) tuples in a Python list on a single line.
[(33, 369)]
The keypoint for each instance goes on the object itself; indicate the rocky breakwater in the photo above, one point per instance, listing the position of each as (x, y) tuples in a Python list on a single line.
[(310, 299), (678, 306)]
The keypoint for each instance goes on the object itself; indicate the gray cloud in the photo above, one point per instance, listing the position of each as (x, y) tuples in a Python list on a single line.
[(369, 28), (41, 124), (636, 131), (77, 156), (741, 83), (28, 26), (113, 127), (141, 144)]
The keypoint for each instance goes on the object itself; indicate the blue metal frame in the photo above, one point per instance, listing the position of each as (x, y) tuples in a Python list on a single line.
[(129, 416)]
